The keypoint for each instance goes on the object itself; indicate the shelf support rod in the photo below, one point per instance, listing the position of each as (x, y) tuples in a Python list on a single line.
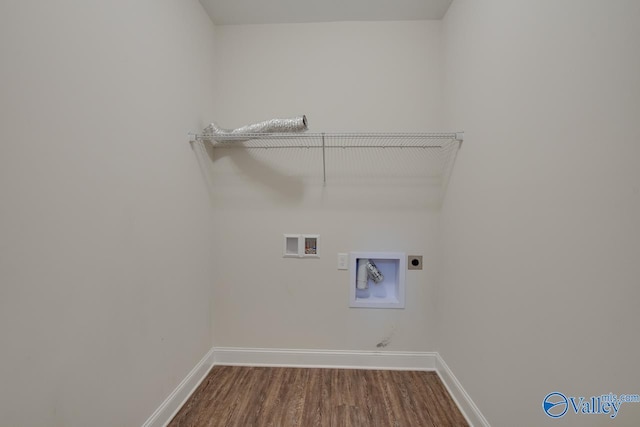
[(324, 167)]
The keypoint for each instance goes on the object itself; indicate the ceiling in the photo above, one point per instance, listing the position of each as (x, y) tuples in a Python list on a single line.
[(228, 12)]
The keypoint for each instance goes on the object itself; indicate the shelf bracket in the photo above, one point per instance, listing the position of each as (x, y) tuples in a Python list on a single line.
[(324, 167)]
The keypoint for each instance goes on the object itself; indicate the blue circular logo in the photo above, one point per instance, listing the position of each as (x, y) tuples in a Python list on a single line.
[(555, 404)]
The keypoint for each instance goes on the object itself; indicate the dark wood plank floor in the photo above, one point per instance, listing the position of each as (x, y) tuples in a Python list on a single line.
[(282, 397)]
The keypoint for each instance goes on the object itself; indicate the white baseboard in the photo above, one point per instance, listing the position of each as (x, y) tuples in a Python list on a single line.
[(459, 395), (388, 360), (172, 404), (421, 361)]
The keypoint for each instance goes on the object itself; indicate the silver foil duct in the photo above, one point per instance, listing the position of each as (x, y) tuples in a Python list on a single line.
[(367, 269), (215, 133), (374, 273)]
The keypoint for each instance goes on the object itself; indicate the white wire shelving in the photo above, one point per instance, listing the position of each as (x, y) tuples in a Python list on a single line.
[(369, 157)]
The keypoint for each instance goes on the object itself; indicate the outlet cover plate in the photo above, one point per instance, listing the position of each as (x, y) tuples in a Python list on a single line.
[(414, 262)]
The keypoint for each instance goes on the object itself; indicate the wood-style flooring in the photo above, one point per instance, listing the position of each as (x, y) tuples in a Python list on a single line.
[(282, 397)]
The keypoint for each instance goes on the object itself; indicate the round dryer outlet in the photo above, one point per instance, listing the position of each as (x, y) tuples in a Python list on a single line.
[(414, 262)]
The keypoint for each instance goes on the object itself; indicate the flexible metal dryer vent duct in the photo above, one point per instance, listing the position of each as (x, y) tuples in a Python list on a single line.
[(295, 124), (367, 269)]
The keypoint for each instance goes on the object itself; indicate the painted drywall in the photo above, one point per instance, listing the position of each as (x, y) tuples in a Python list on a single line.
[(105, 221), (282, 11), (541, 234), (345, 77)]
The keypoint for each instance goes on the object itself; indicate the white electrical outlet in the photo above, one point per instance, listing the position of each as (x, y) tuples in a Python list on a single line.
[(343, 261)]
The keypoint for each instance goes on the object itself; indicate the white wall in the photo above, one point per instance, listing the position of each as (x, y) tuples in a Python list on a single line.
[(105, 222), (345, 77), (541, 230)]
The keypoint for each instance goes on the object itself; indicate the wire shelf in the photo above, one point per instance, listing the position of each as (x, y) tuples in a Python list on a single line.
[(370, 158), (331, 140)]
